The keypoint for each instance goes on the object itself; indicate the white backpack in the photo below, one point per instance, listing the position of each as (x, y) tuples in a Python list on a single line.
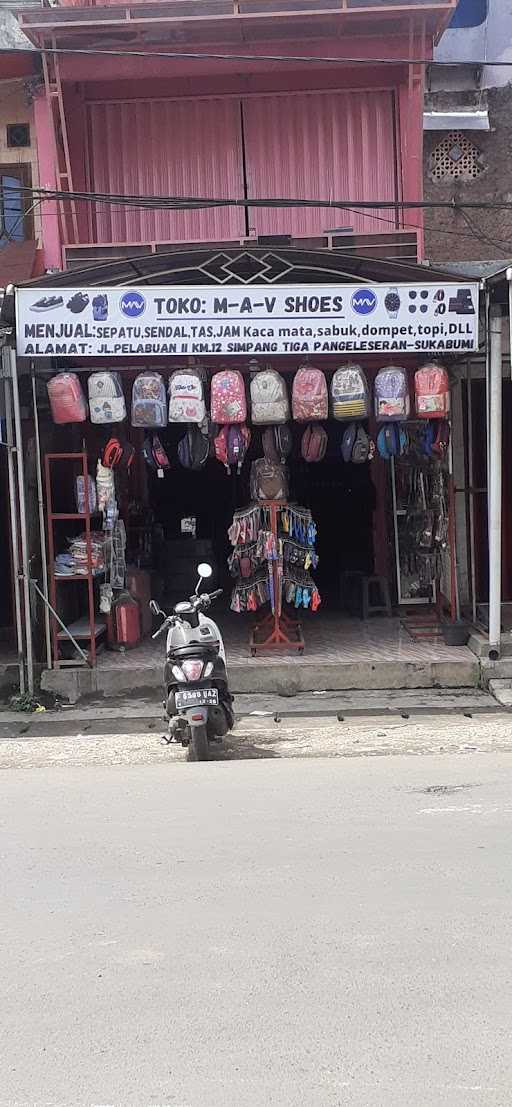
[(269, 398), (186, 397), (106, 399)]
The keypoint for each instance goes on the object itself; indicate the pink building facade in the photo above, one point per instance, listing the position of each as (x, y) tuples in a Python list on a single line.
[(318, 127)]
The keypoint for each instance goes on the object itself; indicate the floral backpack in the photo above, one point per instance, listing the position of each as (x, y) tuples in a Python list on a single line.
[(186, 398), (432, 392), (67, 401), (350, 398), (228, 402), (269, 398), (391, 394), (149, 401), (310, 398), (106, 399)]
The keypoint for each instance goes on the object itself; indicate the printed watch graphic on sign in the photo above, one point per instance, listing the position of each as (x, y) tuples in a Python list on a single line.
[(364, 301), (132, 304)]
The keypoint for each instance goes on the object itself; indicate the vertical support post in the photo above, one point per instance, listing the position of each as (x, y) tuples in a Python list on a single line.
[(25, 561), (42, 532), (13, 507), (494, 436), (471, 493)]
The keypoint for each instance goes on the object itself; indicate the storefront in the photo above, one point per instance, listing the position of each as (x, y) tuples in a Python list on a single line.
[(365, 518)]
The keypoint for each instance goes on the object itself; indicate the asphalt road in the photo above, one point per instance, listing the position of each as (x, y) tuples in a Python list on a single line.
[(258, 932)]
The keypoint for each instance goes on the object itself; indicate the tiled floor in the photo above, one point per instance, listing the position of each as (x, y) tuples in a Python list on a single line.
[(329, 638)]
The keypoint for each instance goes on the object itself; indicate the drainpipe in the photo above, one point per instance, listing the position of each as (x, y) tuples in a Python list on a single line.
[(494, 434)]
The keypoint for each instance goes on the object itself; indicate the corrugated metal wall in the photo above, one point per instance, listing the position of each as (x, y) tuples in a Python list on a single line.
[(166, 148), (309, 146), (338, 145)]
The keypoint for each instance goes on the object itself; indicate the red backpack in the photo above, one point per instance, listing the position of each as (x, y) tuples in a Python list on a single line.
[(314, 443), (228, 402), (310, 398), (231, 445)]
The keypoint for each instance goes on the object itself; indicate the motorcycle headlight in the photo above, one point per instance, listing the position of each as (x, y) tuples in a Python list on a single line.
[(208, 669), (192, 669), (178, 673)]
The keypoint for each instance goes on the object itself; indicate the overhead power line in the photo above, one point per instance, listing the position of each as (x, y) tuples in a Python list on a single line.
[(191, 203), (198, 55)]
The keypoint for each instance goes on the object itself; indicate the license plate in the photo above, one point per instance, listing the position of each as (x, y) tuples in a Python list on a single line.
[(197, 697)]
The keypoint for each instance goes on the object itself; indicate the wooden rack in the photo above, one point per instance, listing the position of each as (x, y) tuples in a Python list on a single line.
[(276, 630), (88, 628)]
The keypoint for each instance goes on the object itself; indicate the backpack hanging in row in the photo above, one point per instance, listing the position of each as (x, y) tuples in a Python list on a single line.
[(432, 392), (350, 397), (356, 446), (228, 402), (310, 398), (193, 449), (186, 397), (149, 401), (269, 398), (67, 401), (106, 398), (391, 394)]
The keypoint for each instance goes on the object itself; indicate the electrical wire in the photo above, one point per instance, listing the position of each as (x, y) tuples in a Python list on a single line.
[(209, 55), (191, 203)]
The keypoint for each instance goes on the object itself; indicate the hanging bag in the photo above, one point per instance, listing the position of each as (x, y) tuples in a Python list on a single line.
[(432, 392), (186, 398), (228, 402), (106, 399), (231, 445), (268, 480), (269, 398), (193, 449), (350, 397), (391, 393), (310, 398), (277, 443), (149, 401), (314, 443), (67, 401)]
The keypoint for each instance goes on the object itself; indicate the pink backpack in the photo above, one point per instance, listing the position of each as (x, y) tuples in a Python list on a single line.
[(432, 392), (228, 403), (310, 398), (67, 401)]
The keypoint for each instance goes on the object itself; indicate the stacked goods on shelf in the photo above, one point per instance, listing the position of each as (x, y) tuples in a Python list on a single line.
[(76, 562)]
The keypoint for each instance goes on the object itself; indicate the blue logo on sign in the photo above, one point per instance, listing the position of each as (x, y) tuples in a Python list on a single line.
[(364, 301), (132, 304)]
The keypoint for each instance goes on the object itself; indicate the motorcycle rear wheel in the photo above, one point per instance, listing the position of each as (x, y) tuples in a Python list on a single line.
[(198, 747)]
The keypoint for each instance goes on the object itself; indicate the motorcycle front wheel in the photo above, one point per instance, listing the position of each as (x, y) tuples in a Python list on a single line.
[(198, 749)]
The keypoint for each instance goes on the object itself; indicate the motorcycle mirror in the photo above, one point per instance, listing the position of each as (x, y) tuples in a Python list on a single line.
[(153, 606), (204, 570)]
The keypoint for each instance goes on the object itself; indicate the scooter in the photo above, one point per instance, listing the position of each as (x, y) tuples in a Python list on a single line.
[(198, 701)]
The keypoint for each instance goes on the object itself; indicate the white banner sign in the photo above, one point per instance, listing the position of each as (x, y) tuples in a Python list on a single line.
[(246, 319)]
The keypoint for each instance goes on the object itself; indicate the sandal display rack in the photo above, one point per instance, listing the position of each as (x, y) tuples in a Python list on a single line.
[(273, 551)]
